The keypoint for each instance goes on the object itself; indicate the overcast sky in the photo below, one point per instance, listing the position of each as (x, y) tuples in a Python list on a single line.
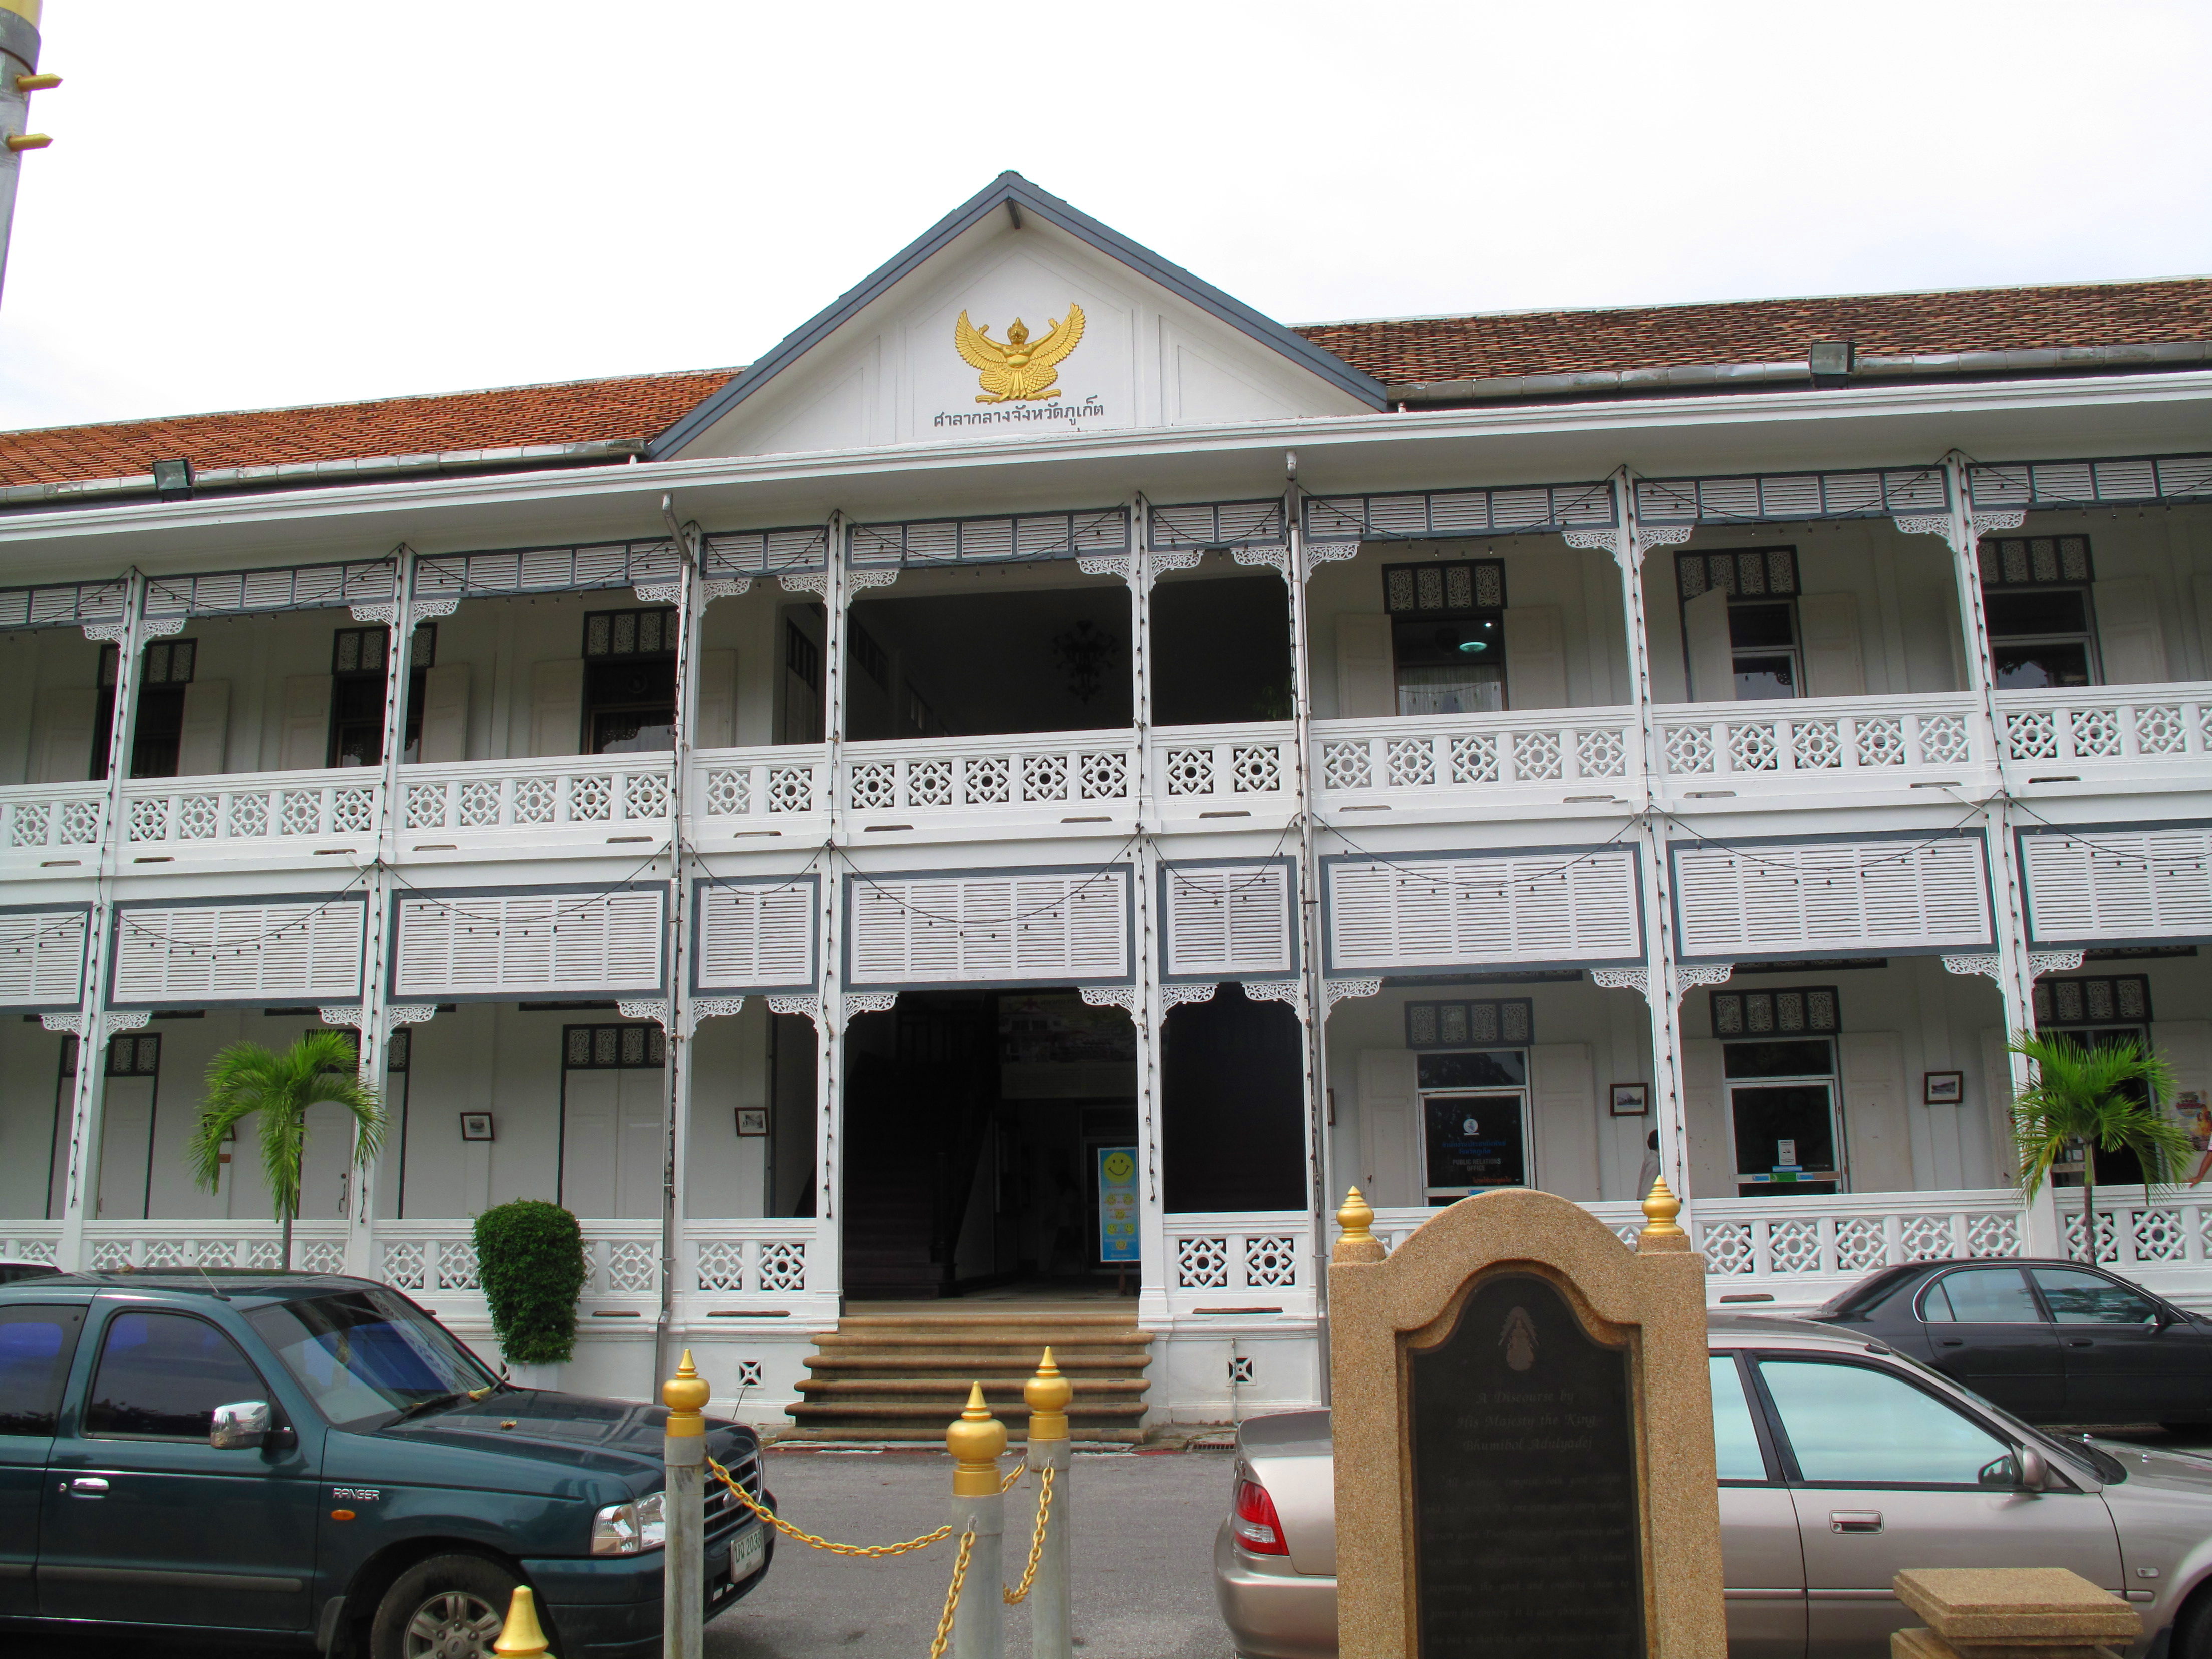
[(251, 203)]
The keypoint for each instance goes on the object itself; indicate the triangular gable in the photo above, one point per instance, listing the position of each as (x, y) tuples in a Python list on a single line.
[(1195, 353)]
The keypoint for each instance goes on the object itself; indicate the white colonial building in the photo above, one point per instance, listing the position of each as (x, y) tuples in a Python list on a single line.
[(940, 814)]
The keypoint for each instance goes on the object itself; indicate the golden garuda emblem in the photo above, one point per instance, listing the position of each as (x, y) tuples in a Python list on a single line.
[(1021, 368)]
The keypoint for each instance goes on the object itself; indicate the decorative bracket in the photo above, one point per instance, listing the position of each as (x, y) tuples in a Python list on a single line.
[(1173, 996), (724, 588), (1319, 553), (2039, 963), (149, 627), (1277, 559), (413, 1013), (816, 582), (858, 580), (806, 1004), (659, 593), (2004, 518), (1923, 523), (73, 1023), (1715, 973), (1292, 990), (1639, 978), (346, 1014), (1112, 996), (1163, 560), (653, 1008), (1106, 564), (419, 611), (715, 1008), (1622, 979), (110, 1022), (870, 1002), (1992, 966), (1629, 550), (1335, 991)]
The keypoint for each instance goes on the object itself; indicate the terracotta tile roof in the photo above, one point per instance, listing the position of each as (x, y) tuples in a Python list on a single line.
[(629, 407), (1771, 330)]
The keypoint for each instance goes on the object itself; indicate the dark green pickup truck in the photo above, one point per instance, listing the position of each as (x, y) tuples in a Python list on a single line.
[(285, 1453)]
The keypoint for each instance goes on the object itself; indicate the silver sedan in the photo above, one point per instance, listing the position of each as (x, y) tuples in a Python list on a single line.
[(1841, 1464)]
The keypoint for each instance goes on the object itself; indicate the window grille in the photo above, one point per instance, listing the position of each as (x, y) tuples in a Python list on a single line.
[(870, 655), (613, 1047), (801, 655), (165, 662), (1470, 1024), (630, 633), (129, 1054), (361, 650), (2122, 1000), (1800, 1010), (1743, 572), (395, 1051), (2035, 560), (1442, 587)]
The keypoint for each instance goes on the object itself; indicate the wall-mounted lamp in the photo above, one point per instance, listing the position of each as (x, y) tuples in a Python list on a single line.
[(172, 480), (1827, 359)]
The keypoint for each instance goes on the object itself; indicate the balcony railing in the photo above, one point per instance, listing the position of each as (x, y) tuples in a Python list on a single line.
[(587, 798), (755, 792), (1240, 1262), (2109, 731), (1446, 761), (1047, 777), (39, 821), (1200, 772), (1824, 742), (248, 813)]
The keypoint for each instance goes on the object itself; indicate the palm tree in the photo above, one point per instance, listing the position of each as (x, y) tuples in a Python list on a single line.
[(247, 1079), (2105, 1098)]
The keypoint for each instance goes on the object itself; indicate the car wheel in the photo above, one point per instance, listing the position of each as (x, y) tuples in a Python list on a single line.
[(450, 1606), (2193, 1631)]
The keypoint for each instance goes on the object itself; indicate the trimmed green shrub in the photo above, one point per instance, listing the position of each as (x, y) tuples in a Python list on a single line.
[(530, 1261)]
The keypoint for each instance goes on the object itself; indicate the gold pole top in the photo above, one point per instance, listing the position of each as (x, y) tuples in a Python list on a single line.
[(1048, 1394), (1660, 1206), (522, 1636), (26, 9), (1356, 1243), (684, 1394), (976, 1438)]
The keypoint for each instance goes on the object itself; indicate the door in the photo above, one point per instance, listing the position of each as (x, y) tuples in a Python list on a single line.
[(1985, 1332), (1764, 1568), (143, 1521), (1885, 1476), (1781, 1118), (611, 1154), (36, 1344), (2126, 1359), (1471, 1142), (126, 1146)]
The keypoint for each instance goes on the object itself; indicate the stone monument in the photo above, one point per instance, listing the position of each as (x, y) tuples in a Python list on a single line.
[(1524, 1436)]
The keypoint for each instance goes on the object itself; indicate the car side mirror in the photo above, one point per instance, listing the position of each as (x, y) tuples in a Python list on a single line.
[(2164, 1318), (2023, 1469), (2034, 1472), (240, 1426)]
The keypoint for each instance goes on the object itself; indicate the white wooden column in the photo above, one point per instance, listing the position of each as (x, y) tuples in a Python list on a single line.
[(92, 1024), (1321, 1194), (1142, 1000)]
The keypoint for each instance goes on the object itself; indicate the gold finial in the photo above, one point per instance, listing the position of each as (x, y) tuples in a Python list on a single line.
[(1660, 1206), (1048, 1394), (1355, 1216), (975, 1438), (684, 1394), (522, 1636)]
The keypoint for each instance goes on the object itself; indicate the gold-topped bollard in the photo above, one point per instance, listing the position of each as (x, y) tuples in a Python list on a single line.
[(976, 1438), (683, 1513), (522, 1637), (1661, 1233), (1356, 1241), (1051, 1450)]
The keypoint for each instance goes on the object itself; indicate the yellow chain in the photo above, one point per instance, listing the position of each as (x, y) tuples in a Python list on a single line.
[(952, 1595), (870, 1551), (1020, 1469), (1014, 1598)]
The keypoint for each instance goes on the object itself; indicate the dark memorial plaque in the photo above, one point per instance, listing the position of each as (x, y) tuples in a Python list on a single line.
[(1525, 1526)]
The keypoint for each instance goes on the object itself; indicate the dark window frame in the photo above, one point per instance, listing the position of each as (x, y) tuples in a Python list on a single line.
[(2048, 995), (1509, 1023), (2044, 564), (422, 657), (1749, 999), (155, 747), (1749, 576), (652, 1048)]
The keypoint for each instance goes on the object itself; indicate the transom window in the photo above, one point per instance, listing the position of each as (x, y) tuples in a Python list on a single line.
[(613, 1047), (2035, 598), (630, 633), (2124, 999), (1756, 1013), (129, 1054), (1469, 1024)]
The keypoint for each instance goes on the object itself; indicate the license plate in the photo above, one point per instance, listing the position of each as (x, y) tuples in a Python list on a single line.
[(748, 1552)]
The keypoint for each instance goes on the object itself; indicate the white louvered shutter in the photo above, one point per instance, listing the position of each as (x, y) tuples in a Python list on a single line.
[(305, 739), (1230, 922), (1835, 659), (1877, 1121), (479, 944), (446, 714), (2130, 639), (1816, 898), (2118, 885), (1563, 1100), (1535, 658), (557, 707), (205, 742), (302, 951), (42, 959), (757, 938), (1389, 1132), (1712, 662), (1012, 928), (1445, 912)]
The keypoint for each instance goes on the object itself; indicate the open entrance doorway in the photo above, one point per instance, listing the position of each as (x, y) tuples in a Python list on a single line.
[(981, 1130)]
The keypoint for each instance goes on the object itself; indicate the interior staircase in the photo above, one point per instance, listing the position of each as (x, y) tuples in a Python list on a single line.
[(904, 1375)]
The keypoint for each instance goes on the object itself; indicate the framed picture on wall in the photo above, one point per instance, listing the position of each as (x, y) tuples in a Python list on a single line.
[(752, 1120), (1630, 1099), (1942, 1088), (476, 1126)]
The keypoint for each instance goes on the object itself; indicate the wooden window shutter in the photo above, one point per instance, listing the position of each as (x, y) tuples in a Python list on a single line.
[(446, 713), (2130, 639), (2119, 884), (41, 959), (1014, 928), (1712, 658), (1389, 1133), (305, 743), (1230, 922), (1835, 659), (1465, 912), (757, 938), (481, 944), (205, 742), (1535, 658), (718, 701), (1817, 898), (1366, 683), (302, 951), (64, 720), (557, 707)]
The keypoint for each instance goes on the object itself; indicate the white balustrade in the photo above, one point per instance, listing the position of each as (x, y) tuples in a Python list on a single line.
[(41, 820), (2109, 729), (1240, 1262), (1823, 743), (29, 1241), (1049, 777), (247, 811), (1200, 772), (769, 1261), (737, 792), (113, 1246), (568, 797), (2140, 1234), (1451, 760)]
